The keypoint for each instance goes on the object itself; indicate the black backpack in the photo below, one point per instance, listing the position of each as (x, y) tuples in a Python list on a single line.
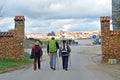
[(64, 49)]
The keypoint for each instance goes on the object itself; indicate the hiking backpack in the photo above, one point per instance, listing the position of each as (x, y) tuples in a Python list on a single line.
[(64, 49), (37, 50), (52, 46)]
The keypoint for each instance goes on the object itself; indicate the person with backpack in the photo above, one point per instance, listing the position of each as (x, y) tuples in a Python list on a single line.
[(52, 48), (37, 53), (64, 52)]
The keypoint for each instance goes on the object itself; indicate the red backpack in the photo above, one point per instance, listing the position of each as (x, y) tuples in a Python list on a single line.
[(37, 50)]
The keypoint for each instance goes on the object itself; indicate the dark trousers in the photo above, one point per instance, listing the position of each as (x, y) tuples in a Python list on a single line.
[(65, 62), (37, 61)]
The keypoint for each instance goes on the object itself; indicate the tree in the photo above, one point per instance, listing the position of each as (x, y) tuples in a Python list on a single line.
[(49, 34), (116, 14), (0, 13), (11, 30), (52, 33), (1, 8)]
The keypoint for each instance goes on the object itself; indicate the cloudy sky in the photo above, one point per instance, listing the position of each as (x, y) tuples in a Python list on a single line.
[(43, 16)]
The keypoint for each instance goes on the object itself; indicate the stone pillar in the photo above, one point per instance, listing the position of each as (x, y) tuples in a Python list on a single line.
[(19, 36), (19, 27), (105, 28)]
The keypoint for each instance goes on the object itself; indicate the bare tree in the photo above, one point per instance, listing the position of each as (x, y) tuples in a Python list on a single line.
[(1, 7)]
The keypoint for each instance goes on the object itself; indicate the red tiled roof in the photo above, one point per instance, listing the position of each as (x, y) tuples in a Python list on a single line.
[(6, 34), (104, 18), (19, 18), (113, 33)]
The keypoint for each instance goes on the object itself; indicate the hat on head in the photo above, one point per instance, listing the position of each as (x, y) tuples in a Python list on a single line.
[(52, 38), (37, 43)]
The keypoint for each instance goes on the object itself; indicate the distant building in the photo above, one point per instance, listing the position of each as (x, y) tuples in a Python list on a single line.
[(35, 35), (116, 14)]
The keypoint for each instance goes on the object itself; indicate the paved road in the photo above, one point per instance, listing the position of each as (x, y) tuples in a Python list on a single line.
[(78, 71)]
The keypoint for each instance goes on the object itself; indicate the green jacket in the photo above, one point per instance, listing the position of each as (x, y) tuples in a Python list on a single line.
[(52, 46)]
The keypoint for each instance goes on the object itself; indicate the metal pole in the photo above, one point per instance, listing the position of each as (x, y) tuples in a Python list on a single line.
[(57, 62), (70, 61)]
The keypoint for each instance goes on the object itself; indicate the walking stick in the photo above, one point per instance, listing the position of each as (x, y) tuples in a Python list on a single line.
[(70, 60), (57, 63)]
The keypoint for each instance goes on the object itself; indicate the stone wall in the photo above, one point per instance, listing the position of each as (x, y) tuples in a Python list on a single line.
[(110, 41), (11, 45)]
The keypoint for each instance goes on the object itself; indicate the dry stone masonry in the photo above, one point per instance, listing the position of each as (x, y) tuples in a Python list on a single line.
[(11, 43), (110, 41)]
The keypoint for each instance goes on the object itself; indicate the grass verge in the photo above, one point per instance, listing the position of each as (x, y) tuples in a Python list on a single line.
[(10, 63)]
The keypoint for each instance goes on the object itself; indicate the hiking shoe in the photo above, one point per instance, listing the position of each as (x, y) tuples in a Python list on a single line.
[(65, 69), (52, 68)]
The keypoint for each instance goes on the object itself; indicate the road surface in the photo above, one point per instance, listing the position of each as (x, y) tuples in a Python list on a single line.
[(79, 69)]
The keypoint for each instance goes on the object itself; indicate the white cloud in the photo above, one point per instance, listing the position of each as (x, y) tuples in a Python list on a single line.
[(66, 27), (56, 7), (54, 15), (6, 24)]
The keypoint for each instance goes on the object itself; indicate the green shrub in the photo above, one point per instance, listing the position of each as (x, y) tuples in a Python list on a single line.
[(10, 63)]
